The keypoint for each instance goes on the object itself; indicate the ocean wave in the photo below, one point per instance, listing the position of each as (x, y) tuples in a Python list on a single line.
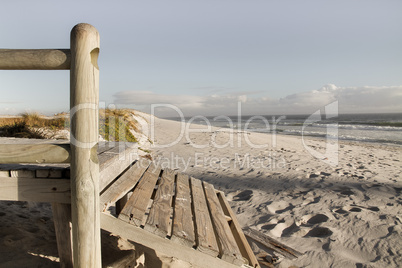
[(350, 126), (340, 136)]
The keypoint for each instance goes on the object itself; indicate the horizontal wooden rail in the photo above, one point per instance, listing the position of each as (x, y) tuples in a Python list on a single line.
[(36, 189), (35, 59), (34, 153)]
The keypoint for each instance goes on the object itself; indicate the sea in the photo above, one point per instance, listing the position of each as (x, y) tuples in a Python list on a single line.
[(377, 128)]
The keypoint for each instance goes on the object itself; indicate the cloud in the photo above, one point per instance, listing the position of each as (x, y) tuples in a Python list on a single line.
[(148, 97), (365, 99)]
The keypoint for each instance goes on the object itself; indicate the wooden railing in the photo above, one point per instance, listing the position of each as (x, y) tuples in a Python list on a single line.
[(81, 60)]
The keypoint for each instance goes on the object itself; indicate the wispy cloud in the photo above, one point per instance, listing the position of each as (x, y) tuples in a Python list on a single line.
[(365, 99)]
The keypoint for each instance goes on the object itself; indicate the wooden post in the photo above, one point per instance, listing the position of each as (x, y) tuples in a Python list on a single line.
[(84, 99), (62, 220)]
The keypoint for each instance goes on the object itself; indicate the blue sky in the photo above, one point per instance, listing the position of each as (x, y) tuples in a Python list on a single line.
[(275, 57)]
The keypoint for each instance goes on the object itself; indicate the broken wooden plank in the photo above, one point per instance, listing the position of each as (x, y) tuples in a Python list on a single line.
[(205, 235), (183, 225), (123, 185), (37, 190), (134, 210), (121, 203), (229, 251), (237, 231), (113, 162), (154, 243), (272, 244), (158, 221)]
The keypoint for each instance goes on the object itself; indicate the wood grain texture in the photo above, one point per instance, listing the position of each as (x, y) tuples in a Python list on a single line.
[(121, 203), (238, 234), (154, 243), (35, 59), (205, 235), (4, 173), (62, 226), (229, 251), (183, 222), (113, 162), (37, 190), (22, 173), (272, 243), (123, 185), (34, 153), (159, 218), (134, 210), (84, 170)]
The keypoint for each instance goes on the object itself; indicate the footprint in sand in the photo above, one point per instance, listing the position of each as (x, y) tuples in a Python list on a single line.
[(285, 228), (319, 232), (355, 208), (315, 218), (345, 191), (268, 226), (243, 196)]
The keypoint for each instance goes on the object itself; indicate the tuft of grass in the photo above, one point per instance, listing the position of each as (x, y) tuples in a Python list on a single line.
[(31, 125), (116, 125), (19, 130), (9, 121), (37, 120)]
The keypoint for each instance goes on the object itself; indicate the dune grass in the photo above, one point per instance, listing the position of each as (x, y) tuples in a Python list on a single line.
[(30, 125), (114, 125)]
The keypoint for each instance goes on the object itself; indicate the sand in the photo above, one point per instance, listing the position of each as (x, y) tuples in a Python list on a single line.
[(348, 215)]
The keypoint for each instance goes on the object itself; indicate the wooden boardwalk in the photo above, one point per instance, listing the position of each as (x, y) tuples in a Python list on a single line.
[(164, 210)]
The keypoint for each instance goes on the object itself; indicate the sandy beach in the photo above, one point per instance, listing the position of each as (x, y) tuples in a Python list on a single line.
[(348, 215), (343, 215)]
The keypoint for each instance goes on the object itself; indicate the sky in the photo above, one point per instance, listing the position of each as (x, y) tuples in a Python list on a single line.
[(211, 57)]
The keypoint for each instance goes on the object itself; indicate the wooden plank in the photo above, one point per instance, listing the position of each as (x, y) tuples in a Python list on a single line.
[(35, 59), (84, 135), (112, 164), (121, 203), (272, 244), (49, 173), (42, 173), (134, 210), (122, 186), (205, 236), (22, 173), (153, 243), (34, 153), (4, 173), (62, 226), (105, 146), (37, 190), (159, 218), (183, 222), (228, 249), (238, 234)]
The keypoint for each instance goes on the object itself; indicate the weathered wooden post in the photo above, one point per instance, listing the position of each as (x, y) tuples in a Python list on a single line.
[(84, 99)]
